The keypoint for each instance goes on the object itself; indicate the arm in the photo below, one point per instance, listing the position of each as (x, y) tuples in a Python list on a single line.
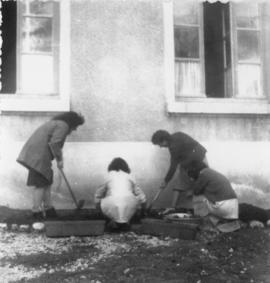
[(100, 193), (199, 185), (57, 140), (137, 191), (140, 195)]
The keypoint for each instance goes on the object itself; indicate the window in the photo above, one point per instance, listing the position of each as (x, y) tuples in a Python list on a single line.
[(188, 55), (248, 35), (214, 57), (34, 43)]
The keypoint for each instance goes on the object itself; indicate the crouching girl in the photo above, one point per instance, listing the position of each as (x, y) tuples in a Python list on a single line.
[(120, 197), (213, 196)]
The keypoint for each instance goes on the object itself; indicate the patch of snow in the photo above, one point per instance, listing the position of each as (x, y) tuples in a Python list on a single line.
[(241, 189)]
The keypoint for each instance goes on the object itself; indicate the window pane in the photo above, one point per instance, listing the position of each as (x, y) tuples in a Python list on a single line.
[(247, 15), (248, 45), (249, 80), (37, 74), (187, 78), (185, 12), (36, 34), (186, 42), (41, 7), (37, 7)]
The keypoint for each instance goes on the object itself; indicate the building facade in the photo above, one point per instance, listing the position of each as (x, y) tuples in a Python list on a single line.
[(131, 68)]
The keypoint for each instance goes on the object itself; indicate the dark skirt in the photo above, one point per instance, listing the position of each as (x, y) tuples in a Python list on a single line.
[(38, 180)]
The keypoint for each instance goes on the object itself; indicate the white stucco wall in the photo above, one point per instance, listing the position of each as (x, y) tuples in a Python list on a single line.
[(245, 163), (117, 82)]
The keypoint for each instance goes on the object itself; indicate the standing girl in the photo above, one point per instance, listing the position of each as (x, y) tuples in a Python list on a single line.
[(42, 147)]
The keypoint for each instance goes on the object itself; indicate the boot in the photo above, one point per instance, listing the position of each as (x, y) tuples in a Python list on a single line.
[(50, 213), (38, 216)]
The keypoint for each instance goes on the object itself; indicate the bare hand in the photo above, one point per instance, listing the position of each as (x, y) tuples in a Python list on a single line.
[(60, 164)]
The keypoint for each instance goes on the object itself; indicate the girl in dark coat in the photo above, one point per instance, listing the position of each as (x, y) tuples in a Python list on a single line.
[(42, 147), (183, 150)]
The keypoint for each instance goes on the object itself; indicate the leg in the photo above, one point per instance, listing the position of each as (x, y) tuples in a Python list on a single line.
[(37, 199), (42, 192), (181, 195), (47, 203), (37, 203)]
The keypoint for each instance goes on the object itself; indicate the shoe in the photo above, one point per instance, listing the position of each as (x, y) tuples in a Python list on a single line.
[(123, 227), (229, 226), (112, 226), (38, 216), (50, 213)]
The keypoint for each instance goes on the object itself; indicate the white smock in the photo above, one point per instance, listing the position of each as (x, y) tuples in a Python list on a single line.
[(121, 198)]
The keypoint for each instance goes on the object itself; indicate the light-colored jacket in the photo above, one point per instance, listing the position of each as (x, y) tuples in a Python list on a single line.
[(36, 153), (120, 184), (120, 197)]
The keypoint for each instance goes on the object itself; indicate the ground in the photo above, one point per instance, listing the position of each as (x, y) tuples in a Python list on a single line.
[(242, 256)]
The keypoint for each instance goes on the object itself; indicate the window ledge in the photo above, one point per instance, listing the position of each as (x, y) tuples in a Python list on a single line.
[(219, 106), (31, 103)]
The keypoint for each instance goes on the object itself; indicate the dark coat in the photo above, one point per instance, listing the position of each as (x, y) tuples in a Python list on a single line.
[(36, 153), (213, 185), (183, 149)]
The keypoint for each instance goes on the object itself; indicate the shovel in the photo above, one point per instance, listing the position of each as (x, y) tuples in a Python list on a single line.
[(79, 204), (154, 199)]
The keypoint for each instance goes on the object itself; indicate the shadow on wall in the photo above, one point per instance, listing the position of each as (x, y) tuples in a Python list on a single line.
[(253, 189)]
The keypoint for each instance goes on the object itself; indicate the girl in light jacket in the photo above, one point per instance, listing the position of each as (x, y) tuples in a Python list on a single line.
[(119, 197), (41, 148)]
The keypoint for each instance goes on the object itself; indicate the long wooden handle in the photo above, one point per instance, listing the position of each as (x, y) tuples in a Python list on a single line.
[(66, 180), (68, 185), (155, 198)]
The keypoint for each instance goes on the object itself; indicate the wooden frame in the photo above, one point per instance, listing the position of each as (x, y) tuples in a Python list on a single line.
[(231, 105), (199, 25), (234, 42), (52, 102), (54, 17)]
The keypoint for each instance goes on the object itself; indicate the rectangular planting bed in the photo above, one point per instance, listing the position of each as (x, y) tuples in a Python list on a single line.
[(74, 228), (173, 229)]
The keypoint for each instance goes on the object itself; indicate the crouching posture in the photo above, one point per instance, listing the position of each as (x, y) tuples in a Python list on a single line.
[(214, 197), (119, 197)]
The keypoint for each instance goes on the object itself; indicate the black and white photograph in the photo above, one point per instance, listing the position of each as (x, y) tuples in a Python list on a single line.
[(134, 141)]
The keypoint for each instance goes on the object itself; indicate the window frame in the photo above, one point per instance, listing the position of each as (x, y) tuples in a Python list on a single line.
[(200, 58), (47, 102), (224, 105), (261, 43)]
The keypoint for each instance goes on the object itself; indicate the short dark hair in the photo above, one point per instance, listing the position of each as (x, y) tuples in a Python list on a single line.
[(194, 168), (118, 164), (73, 119), (159, 136)]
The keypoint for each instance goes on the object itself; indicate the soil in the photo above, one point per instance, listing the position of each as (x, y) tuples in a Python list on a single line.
[(240, 256)]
